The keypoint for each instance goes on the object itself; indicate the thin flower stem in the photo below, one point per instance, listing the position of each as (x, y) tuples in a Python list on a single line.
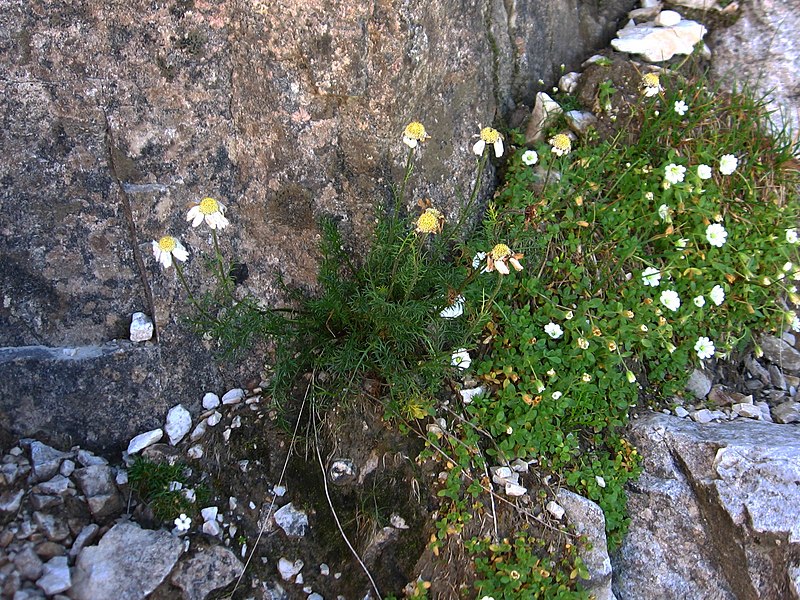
[(192, 299), (409, 168), (223, 277), (472, 197)]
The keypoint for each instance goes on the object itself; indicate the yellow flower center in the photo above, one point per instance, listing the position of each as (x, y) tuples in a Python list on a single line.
[(500, 252), (209, 206), (167, 243), (490, 136), (416, 131), (651, 80), (562, 142), (429, 221)]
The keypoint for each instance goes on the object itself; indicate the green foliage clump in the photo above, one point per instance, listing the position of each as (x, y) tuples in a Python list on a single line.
[(154, 483)]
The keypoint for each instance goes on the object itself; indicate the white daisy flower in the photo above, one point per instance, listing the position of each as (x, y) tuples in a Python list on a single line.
[(560, 144), (210, 211), (651, 85), (499, 256), (489, 136), (168, 247), (414, 134)]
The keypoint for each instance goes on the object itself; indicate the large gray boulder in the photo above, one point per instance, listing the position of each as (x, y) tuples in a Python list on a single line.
[(760, 50), (116, 116), (714, 515), (129, 562)]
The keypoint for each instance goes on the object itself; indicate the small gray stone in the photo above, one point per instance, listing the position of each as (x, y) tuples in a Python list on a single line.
[(780, 353), (143, 440), (681, 412), (777, 378), (581, 122), (179, 422), (788, 412), (569, 82), (545, 110), (667, 18), (56, 486), (749, 411), (212, 528), (67, 467), (699, 384), (513, 489), (29, 594), (45, 461), (233, 396), (272, 590), (757, 370), (293, 522), (210, 401), (53, 527), (86, 536), (342, 471), (765, 412), (56, 576), (208, 570), (289, 569), (10, 501), (28, 563), (555, 509), (87, 459), (43, 501), (702, 416), (141, 327)]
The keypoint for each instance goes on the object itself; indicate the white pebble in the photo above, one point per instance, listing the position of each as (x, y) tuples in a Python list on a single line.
[(555, 509), (210, 400)]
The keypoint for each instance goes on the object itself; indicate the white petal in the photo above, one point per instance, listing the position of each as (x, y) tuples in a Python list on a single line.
[(515, 263), (192, 214), (166, 260), (501, 267), (410, 142), (498, 148), (180, 253), (478, 147), (156, 250), (198, 218)]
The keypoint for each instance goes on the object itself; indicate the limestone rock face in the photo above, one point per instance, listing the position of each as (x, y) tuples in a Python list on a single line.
[(723, 494), (760, 50), (118, 115)]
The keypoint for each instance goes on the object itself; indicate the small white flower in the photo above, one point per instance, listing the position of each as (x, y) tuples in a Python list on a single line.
[(704, 171), (182, 523), (551, 372), (491, 136), (728, 164), (530, 157), (670, 299), (681, 107), (168, 247), (414, 134), (651, 276), (630, 376), (456, 309), (643, 328), (461, 359), (788, 266), (663, 212), (649, 196), (795, 324), (569, 315), (210, 211), (699, 301), (557, 395), (600, 481), (560, 144), (717, 295), (682, 243), (791, 236), (674, 173), (586, 378), (583, 343), (704, 348), (716, 235), (553, 330), (539, 386)]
